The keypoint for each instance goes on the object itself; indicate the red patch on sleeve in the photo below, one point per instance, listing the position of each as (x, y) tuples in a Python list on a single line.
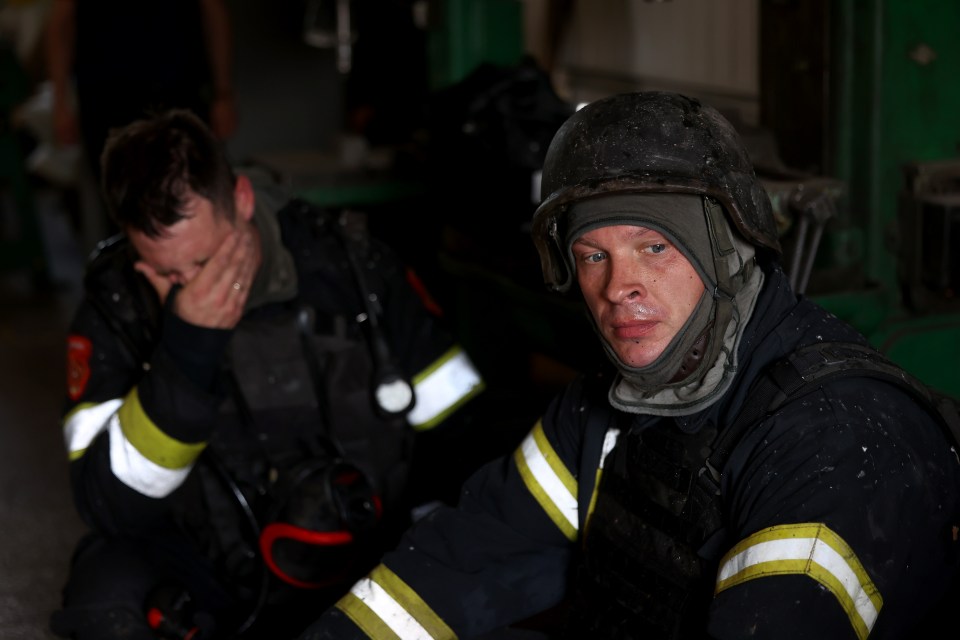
[(79, 350)]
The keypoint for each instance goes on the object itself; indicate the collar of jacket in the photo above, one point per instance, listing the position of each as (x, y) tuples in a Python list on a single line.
[(276, 280), (760, 345)]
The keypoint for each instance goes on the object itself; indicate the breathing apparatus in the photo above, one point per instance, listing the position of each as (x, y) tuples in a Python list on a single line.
[(324, 504)]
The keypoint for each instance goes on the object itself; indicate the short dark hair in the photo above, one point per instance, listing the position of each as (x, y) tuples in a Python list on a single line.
[(148, 167)]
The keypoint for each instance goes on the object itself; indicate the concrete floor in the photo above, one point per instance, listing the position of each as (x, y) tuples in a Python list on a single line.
[(38, 526)]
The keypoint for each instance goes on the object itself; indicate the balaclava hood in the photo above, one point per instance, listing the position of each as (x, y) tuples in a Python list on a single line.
[(698, 365)]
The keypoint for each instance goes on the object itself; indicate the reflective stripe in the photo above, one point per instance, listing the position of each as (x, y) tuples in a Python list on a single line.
[(609, 442), (136, 471), (384, 606), (388, 610), (810, 549), (443, 387), (151, 441), (84, 422), (546, 477)]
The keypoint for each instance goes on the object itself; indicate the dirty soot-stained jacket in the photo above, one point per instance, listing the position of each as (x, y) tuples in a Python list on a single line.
[(834, 517), (152, 400)]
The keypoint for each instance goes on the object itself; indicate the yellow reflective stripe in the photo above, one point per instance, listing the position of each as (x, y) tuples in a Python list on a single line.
[(609, 442), (384, 606), (150, 441), (810, 549), (443, 387), (593, 498), (136, 471), (77, 408), (365, 619), (548, 480), (84, 422)]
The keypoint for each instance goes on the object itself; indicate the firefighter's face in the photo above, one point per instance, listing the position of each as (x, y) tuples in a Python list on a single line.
[(639, 287), (183, 249)]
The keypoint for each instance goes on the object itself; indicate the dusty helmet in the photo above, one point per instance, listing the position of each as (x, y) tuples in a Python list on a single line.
[(647, 142)]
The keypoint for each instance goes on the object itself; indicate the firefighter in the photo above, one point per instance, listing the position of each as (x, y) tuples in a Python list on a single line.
[(248, 380), (701, 486)]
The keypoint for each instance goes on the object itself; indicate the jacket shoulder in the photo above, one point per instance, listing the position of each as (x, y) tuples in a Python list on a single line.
[(119, 294)]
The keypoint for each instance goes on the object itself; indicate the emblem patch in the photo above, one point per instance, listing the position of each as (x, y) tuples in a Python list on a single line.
[(79, 350)]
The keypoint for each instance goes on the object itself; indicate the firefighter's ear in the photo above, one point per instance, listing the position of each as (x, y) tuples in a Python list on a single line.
[(243, 198)]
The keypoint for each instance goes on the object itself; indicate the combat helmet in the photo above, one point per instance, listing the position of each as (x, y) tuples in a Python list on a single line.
[(647, 142)]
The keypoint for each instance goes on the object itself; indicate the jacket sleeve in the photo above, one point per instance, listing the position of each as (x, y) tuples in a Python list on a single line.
[(450, 411), (134, 423), (444, 377), (842, 507), (502, 555)]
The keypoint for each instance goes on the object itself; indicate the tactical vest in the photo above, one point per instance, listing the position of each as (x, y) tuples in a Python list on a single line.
[(655, 537)]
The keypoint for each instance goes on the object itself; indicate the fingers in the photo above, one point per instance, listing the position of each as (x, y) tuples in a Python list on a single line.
[(233, 267), (216, 296), (223, 267), (241, 265)]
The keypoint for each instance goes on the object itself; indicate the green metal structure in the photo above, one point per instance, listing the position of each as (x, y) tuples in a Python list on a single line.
[(896, 102), (466, 33)]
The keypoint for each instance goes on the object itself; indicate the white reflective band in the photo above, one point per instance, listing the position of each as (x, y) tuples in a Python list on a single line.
[(443, 387), (389, 610), (609, 442), (136, 471), (563, 499), (815, 553), (84, 425)]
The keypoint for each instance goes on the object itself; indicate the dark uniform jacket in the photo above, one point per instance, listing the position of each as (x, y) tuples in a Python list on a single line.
[(836, 517), (166, 422)]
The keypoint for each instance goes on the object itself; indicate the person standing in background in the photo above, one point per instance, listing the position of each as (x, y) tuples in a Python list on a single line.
[(122, 60)]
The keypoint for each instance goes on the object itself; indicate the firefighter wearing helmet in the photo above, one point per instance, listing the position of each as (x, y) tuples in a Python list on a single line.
[(726, 477)]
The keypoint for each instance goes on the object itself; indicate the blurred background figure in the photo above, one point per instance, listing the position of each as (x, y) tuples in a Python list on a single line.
[(125, 58), (111, 61)]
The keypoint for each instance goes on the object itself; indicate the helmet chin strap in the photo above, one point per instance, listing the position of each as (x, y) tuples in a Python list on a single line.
[(691, 361)]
